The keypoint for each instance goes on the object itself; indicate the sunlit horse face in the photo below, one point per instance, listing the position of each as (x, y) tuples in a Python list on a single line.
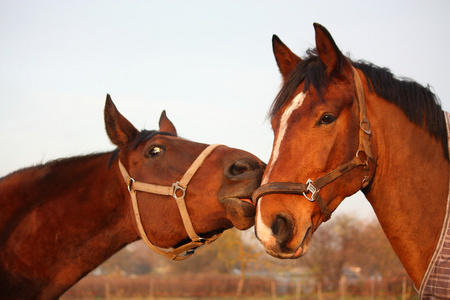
[(218, 196), (315, 120)]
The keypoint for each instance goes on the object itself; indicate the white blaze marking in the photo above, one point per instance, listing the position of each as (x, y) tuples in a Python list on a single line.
[(296, 103), (263, 231)]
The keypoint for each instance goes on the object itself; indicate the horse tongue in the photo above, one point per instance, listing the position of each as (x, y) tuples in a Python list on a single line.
[(246, 200)]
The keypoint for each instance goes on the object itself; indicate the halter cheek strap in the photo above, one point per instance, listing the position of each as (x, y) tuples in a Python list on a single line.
[(178, 191), (313, 187)]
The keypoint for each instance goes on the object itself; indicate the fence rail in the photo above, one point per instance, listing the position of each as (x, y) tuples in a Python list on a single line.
[(225, 286)]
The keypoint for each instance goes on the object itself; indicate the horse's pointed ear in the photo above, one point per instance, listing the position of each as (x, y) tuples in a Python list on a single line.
[(165, 125), (120, 131), (286, 59), (329, 52)]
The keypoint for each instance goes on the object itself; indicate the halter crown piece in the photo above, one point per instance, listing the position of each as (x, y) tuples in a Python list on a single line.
[(313, 187), (178, 191)]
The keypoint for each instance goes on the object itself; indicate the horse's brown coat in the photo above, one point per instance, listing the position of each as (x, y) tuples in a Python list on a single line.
[(408, 177), (60, 220)]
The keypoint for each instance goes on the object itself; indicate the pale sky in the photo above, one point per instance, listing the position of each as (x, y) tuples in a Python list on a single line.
[(209, 64)]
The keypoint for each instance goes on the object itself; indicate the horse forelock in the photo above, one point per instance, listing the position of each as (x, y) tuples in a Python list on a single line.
[(310, 70), (419, 103), (143, 136)]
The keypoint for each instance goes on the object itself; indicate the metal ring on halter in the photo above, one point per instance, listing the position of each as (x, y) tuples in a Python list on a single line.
[(366, 162), (365, 121), (176, 187), (130, 183), (310, 188)]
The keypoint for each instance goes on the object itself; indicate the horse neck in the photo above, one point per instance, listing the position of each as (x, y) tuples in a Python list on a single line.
[(73, 217), (410, 186)]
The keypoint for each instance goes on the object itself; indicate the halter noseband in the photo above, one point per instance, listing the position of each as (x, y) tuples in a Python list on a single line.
[(313, 187), (178, 191)]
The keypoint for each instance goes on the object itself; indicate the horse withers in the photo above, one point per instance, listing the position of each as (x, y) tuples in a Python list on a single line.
[(340, 127), (62, 219)]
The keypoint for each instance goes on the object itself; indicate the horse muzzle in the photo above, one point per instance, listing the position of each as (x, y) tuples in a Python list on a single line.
[(282, 235), (242, 177)]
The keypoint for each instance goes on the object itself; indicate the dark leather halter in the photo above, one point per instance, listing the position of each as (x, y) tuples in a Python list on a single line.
[(313, 187)]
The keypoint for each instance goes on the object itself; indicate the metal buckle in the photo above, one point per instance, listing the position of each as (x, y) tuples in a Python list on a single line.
[(190, 252), (367, 131), (310, 188), (130, 183), (176, 187)]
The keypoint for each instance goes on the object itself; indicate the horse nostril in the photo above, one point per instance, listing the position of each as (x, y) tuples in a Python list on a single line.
[(282, 228), (240, 167)]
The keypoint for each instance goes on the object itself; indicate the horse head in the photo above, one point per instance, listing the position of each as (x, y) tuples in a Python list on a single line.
[(321, 151), (215, 197)]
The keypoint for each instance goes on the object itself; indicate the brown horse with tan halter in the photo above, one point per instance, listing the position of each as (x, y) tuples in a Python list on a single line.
[(60, 220), (343, 126)]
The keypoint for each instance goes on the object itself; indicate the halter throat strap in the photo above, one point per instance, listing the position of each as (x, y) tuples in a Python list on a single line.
[(178, 191), (313, 187)]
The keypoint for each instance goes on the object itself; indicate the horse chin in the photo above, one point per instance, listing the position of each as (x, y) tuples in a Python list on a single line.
[(301, 251), (289, 250), (241, 212)]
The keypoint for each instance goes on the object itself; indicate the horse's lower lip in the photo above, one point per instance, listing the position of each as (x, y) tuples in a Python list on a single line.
[(285, 255), (243, 205), (298, 253)]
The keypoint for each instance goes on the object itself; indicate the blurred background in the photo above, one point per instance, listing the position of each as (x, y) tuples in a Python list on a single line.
[(210, 65)]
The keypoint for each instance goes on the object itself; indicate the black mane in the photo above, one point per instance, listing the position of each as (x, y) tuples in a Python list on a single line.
[(419, 103)]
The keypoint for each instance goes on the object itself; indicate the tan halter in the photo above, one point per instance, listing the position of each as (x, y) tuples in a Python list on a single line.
[(178, 191), (314, 187)]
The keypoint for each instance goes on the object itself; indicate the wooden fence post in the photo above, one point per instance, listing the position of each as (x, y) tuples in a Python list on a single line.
[(342, 287), (298, 291), (404, 289), (319, 291), (240, 287), (107, 291), (273, 288), (152, 288), (372, 288)]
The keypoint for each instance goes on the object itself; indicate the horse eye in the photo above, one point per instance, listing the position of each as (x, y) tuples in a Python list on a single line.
[(327, 119), (155, 151)]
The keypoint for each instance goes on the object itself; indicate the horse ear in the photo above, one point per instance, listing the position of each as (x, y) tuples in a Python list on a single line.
[(120, 131), (328, 51), (165, 125), (286, 59)]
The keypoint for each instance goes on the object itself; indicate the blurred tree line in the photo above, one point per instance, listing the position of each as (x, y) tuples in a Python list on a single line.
[(344, 245)]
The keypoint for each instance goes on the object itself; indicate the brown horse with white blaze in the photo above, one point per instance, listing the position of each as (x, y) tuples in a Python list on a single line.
[(340, 127), (61, 220)]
